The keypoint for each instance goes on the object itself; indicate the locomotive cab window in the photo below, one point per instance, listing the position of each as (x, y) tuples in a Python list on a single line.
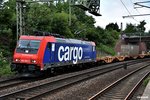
[(28, 46)]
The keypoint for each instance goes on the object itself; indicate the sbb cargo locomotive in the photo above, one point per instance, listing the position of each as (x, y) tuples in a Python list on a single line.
[(36, 54)]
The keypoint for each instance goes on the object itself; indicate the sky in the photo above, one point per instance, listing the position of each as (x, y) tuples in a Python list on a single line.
[(113, 10)]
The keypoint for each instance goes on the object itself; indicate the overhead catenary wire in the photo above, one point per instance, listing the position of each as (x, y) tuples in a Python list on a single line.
[(135, 7), (137, 10), (144, 2), (128, 10), (125, 7), (140, 5)]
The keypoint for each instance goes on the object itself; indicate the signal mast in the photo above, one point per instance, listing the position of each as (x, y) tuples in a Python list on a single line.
[(20, 12)]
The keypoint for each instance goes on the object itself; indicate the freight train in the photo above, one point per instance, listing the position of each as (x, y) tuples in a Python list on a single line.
[(42, 54), (35, 54)]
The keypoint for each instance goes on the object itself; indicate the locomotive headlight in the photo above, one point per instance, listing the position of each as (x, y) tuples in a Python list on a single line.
[(17, 60), (33, 61)]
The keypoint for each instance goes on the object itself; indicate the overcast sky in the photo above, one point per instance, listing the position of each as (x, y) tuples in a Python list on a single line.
[(113, 10)]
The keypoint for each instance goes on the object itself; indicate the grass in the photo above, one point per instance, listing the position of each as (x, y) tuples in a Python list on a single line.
[(146, 81)]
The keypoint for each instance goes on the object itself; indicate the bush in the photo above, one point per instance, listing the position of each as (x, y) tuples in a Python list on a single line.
[(4, 66), (109, 50), (2, 60), (5, 70)]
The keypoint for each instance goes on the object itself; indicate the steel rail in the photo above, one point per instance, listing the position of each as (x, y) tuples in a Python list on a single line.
[(8, 80), (131, 93), (100, 93), (82, 76), (10, 85), (42, 85), (104, 69), (46, 93)]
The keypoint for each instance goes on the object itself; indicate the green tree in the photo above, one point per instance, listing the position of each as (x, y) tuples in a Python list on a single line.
[(39, 17), (137, 30), (113, 26), (92, 35), (60, 24), (7, 27), (1, 2), (55, 19), (141, 27), (130, 28)]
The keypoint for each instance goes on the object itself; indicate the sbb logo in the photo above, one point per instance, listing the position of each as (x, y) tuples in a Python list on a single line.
[(70, 53)]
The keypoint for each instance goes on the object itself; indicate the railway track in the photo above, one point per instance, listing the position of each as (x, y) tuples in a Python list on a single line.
[(11, 83), (125, 87), (14, 81), (5, 80), (39, 90)]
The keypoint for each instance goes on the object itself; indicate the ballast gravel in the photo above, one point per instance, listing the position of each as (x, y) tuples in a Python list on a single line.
[(86, 89), (80, 91)]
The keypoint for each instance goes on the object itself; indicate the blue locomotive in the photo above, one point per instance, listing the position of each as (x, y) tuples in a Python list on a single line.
[(41, 53)]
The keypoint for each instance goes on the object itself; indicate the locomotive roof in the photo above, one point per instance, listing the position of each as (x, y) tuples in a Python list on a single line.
[(75, 41), (60, 40), (26, 37)]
